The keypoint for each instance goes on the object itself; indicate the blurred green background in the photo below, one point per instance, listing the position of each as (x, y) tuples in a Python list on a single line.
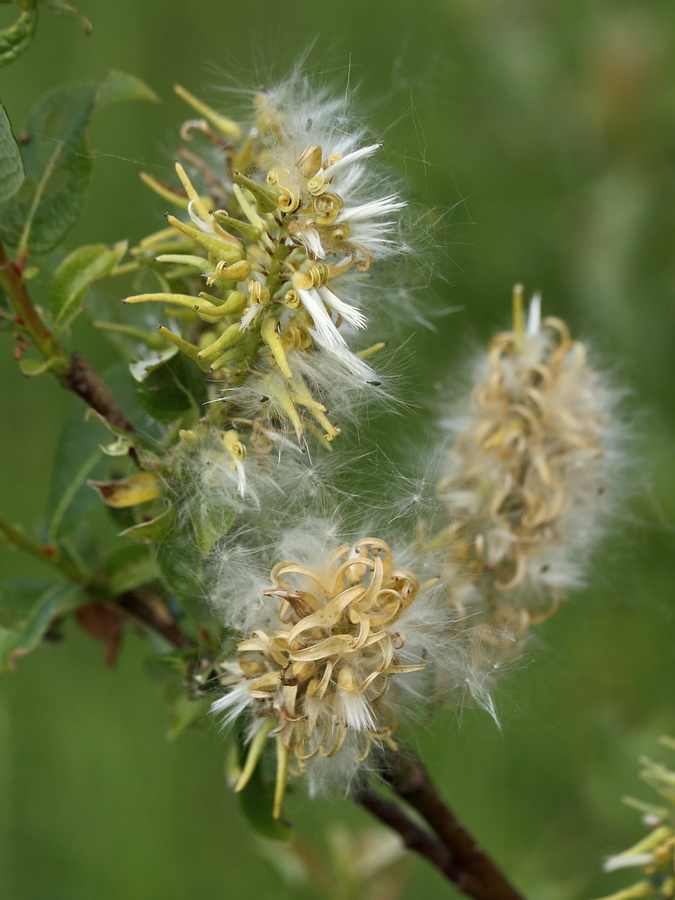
[(545, 134)]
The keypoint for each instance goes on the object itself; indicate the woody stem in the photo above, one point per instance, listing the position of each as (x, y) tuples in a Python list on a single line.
[(463, 860)]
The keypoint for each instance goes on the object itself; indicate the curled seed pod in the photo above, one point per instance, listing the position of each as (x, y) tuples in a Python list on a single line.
[(288, 201), (276, 218), (260, 293), (325, 673), (292, 299), (309, 161), (317, 185), (327, 208), (528, 475)]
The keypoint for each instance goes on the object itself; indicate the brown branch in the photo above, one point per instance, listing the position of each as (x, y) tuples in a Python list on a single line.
[(153, 613), (415, 838), (87, 384), (11, 279), (479, 877), (15, 536), (74, 373), (82, 380)]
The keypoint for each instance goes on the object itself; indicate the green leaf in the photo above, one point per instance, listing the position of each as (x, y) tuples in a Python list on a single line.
[(58, 164), (121, 384), (180, 571), (17, 37), (76, 274), (128, 567), (11, 164), (58, 160), (210, 522), (27, 609), (33, 367), (170, 672), (123, 439), (185, 713), (169, 388), (61, 8), (177, 662), (120, 86), (78, 457), (154, 530)]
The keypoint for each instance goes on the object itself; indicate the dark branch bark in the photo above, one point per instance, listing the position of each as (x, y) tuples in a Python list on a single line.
[(414, 837), (156, 616), (88, 384), (74, 372), (84, 381), (479, 877)]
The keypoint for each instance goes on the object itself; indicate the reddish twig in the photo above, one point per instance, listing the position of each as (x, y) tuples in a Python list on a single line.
[(73, 372), (478, 875), (415, 838), (82, 380)]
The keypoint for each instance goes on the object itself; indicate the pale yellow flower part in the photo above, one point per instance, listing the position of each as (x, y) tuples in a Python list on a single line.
[(324, 673)]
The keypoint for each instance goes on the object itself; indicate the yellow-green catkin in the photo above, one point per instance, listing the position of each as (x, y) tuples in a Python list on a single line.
[(276, 220), (654, 855)]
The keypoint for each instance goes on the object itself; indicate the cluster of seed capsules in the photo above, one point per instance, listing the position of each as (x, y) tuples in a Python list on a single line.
[(527, 482), (282, 242), (341, 637)]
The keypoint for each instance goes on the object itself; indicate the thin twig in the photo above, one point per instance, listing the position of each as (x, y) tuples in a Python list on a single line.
[(415, 838), (155, 614), (88, 384), (136, 604), (479, 877), (73, 372), (11, 279), (15, 536)]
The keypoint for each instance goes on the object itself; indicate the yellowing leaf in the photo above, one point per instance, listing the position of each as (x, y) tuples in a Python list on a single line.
[(138, 488)]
